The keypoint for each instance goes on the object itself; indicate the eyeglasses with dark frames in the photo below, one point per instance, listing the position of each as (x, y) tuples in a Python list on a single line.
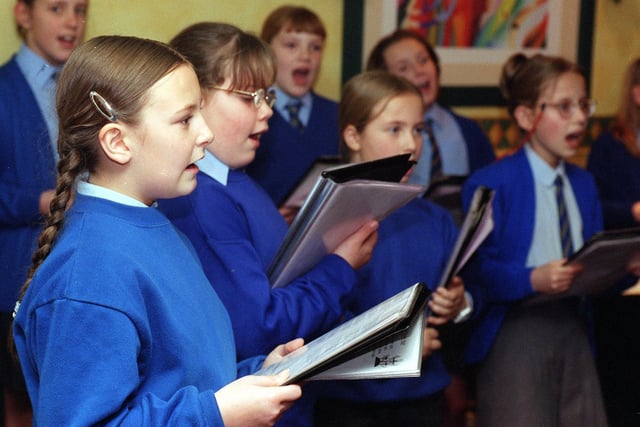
[(269, 96)]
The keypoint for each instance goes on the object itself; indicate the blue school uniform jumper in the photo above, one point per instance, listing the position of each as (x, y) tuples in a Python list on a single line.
[(236, 231), (120, 325), (546, 334), (285, 153), (414, 244), (27, 168)]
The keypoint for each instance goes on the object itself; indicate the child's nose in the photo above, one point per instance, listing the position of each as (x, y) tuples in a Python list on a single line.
[(410, 144), (206, 136), (305, 53), (264, 111), (73, 19)]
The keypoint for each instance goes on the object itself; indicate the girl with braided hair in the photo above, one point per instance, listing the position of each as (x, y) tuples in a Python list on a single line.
[(117, 323)]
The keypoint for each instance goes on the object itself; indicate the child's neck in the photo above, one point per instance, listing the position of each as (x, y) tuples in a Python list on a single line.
[(546, 155)]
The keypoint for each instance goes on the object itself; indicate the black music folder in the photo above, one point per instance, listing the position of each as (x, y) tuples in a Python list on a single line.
[(383, 342), (344, 198), (604, 258)]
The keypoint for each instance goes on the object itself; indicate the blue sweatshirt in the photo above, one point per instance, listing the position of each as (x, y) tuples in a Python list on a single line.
[(414, 245), (236, 231), (120, 326)]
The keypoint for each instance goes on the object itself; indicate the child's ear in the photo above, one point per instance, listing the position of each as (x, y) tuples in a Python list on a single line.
[(525, 117), (351, 138), (113, 143), (22, 14)]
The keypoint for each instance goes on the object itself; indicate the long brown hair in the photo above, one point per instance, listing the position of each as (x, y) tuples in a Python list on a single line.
[(627, 122), (219, 51), (523, 78), (121, 70)]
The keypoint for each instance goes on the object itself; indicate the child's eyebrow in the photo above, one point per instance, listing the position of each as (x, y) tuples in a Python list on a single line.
[(186, 109)]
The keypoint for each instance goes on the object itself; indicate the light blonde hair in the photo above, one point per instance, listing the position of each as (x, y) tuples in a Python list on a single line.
[(365, 96)]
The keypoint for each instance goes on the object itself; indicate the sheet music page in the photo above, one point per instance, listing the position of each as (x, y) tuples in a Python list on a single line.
[(346, 208), (401, 355), (347, 335), (483, 230), (476, 226)]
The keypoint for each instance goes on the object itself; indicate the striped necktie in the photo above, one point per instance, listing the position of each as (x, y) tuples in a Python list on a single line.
[(293, 109), (436, 160), (563, 218)]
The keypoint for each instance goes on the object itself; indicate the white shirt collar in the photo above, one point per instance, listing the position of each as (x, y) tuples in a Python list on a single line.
[(541, 169), (87, 189), (211, 166), (36, 70)]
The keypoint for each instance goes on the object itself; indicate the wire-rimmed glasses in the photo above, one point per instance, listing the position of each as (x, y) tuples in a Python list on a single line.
[(567, 108), (269, 96)]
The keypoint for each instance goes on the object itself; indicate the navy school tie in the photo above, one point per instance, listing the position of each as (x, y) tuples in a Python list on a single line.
[(563, 219), (293, 109)]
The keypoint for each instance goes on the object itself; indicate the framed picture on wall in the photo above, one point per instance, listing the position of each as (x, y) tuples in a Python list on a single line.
[(474, 38)]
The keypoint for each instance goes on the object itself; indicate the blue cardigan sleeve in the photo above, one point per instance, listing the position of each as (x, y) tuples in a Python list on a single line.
[(500, 265), (27, 166)]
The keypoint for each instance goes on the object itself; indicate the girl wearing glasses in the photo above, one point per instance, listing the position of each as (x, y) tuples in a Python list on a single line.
[(537, 354), (232, 222)]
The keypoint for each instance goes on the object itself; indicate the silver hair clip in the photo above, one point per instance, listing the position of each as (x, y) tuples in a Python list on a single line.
[(102, 106), (15, 309)]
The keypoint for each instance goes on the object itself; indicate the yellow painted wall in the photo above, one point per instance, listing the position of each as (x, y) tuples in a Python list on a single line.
[(616, 44), (616, 39), (161, 19)]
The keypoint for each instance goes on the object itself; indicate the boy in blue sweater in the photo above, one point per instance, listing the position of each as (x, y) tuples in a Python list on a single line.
[(28, 154), (295, 138)]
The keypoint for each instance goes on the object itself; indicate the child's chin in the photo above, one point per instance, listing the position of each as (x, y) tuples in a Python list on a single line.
[(186, 188)]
